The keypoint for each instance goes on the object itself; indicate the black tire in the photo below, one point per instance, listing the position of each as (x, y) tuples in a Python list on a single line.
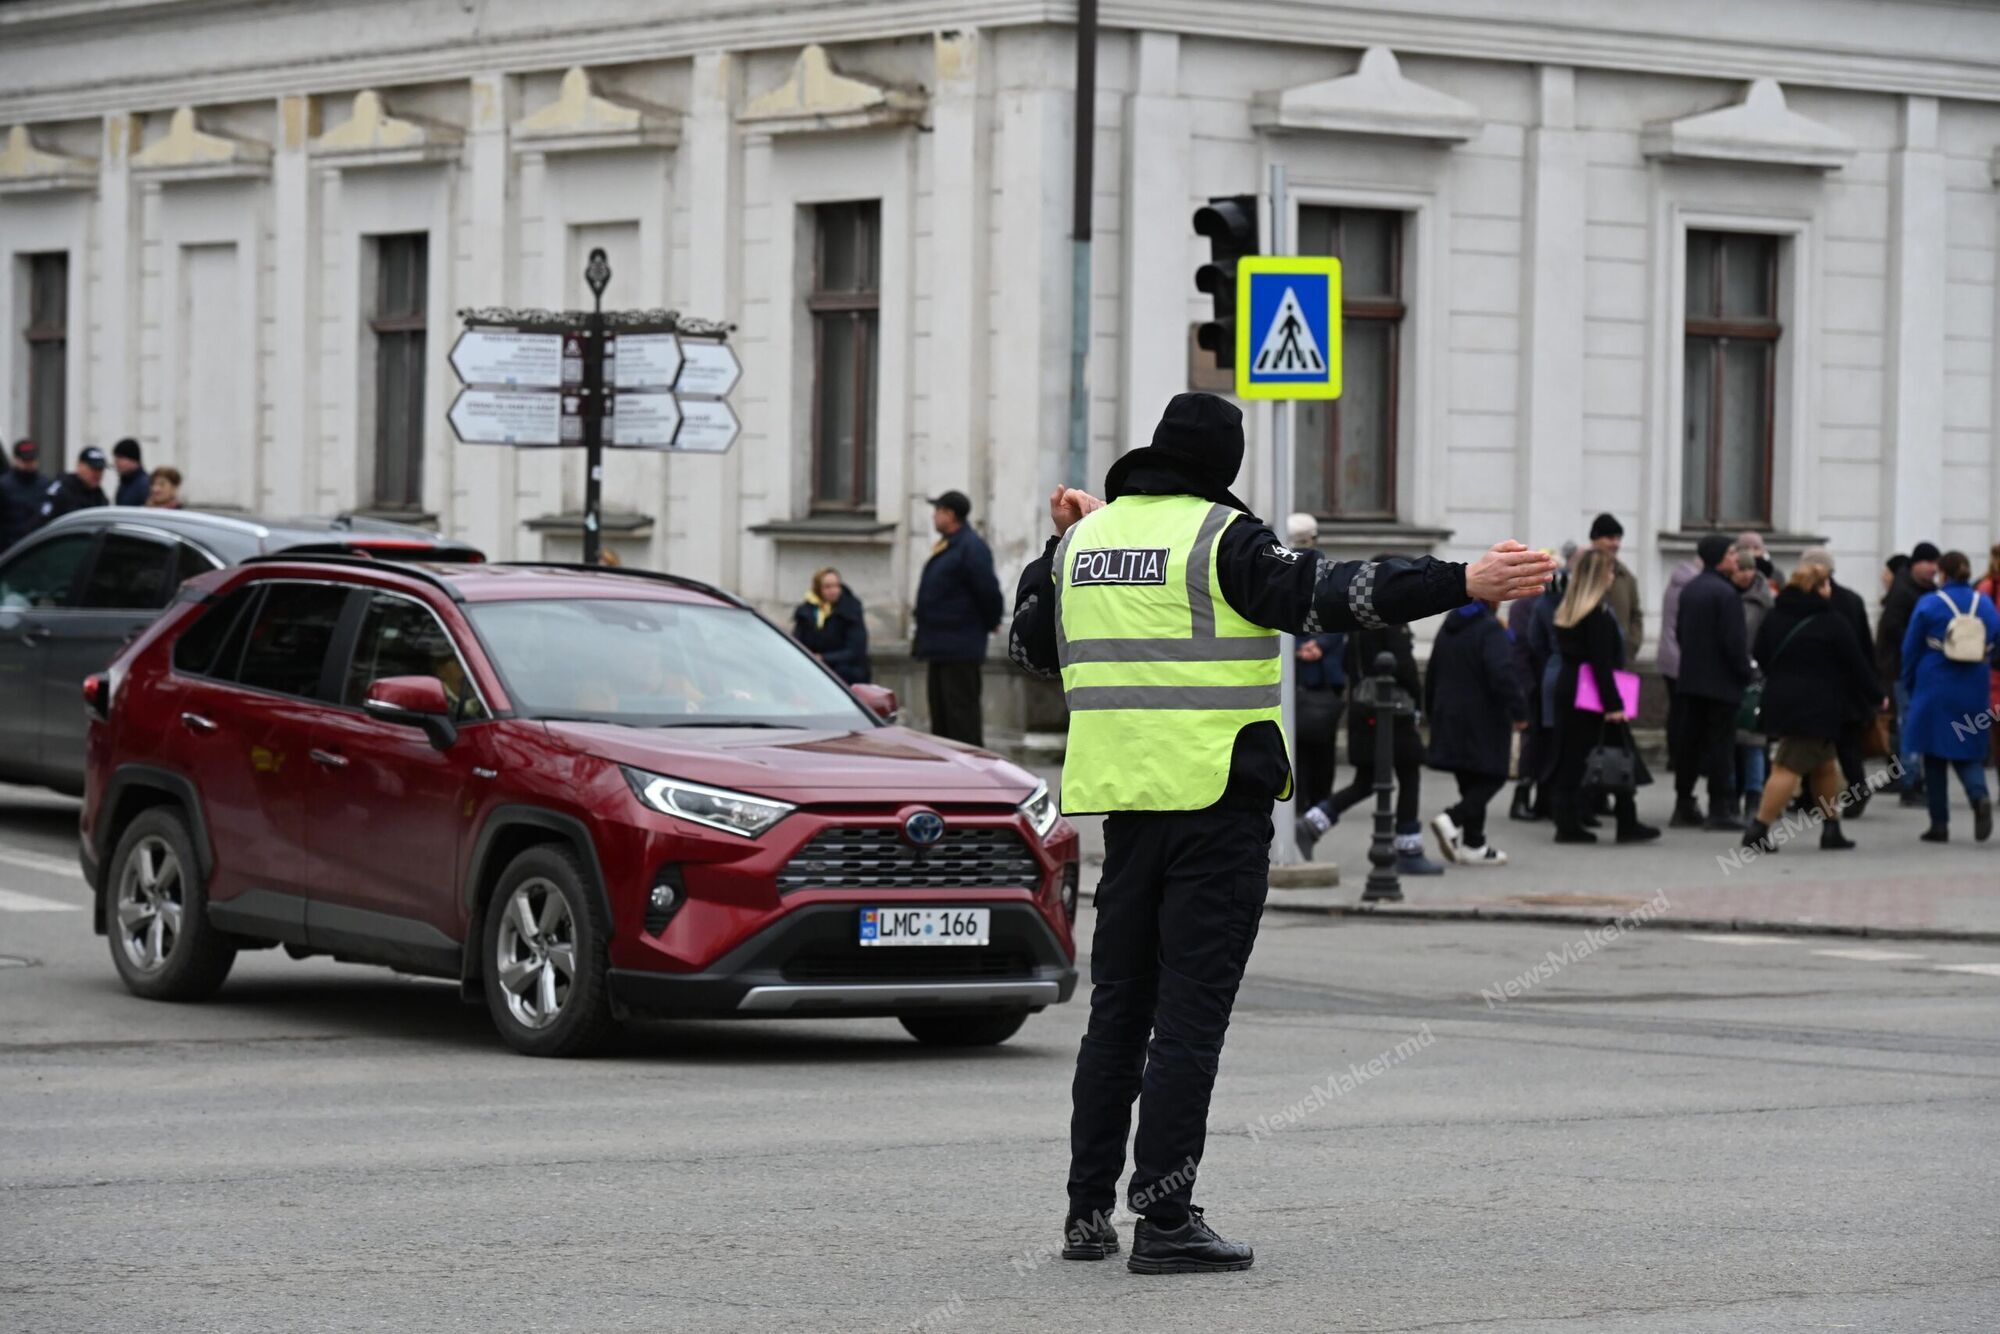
[(964, 1028), (582, 1017), (190, 962)]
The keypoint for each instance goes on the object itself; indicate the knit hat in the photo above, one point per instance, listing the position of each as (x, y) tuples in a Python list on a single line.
[(1712, 548), (1605, 525)]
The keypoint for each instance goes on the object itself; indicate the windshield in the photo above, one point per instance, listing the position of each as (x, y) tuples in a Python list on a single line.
[(658, 664)]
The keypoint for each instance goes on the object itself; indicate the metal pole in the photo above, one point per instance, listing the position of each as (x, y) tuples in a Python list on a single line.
[(597, 273), (1284, 847), (1084, 160), (1383, 886)]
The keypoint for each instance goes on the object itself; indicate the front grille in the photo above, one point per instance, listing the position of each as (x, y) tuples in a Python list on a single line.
[(855, 963), (860, 858)]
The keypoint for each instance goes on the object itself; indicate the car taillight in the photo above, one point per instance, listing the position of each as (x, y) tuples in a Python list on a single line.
[(97, 696)]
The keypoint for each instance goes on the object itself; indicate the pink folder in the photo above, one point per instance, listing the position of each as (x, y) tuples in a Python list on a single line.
[(1628, 692)]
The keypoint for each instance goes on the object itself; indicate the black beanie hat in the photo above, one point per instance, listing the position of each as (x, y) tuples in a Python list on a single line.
[(1200, 437), (1923, 551), (1712, 548), (1605, 525)]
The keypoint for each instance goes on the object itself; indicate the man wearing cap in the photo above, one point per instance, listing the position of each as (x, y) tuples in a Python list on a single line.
[(1608, 535), (21, 488), (1917, 579), (79, 490), (959, 604), (133, 483), (1161, 611)]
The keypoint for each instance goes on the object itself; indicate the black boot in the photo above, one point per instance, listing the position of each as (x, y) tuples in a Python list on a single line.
[(1937, 833), (1089, 1237), (1831, 839), (1982, 820), (1569, 828), (1629, 828), (1524, 806), (1758, 835), (1722, 817), (1191, 1248), (1687, 814)]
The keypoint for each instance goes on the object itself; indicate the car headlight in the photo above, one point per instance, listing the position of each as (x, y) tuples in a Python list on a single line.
[(1041, 810), (716, 807)]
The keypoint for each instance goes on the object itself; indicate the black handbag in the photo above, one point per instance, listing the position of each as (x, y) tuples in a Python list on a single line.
[(1612, 768)]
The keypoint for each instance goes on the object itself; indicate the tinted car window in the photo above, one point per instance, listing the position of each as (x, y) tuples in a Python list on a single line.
[(131, 573), (402, 638), (189, 562), (43, 575), (288, 638), (199, 645)]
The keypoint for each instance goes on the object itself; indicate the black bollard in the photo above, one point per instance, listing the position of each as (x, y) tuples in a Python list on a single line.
[(1385, 700)]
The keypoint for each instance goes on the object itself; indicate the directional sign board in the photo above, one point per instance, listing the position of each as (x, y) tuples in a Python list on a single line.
[(1288, 327), (509, 358), (509, 417), (708, 369), (642, 421), (708, 426), (646, 361)]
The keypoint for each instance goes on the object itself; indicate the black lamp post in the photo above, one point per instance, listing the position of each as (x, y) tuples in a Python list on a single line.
[(596, 393), (1386, 701)]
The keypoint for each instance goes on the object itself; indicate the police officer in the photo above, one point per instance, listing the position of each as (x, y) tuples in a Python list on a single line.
[(1161, 610), (82, 489)]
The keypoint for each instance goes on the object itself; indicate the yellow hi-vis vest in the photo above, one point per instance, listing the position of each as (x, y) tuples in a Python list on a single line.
[(1159, 671)]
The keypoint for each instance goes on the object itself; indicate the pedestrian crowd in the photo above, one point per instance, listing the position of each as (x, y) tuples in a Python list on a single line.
[(29, 498)]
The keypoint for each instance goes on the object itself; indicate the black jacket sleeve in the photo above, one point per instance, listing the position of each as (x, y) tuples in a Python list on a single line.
[(1606, 654), (984, 585), (1271, 585), (1031, 641)]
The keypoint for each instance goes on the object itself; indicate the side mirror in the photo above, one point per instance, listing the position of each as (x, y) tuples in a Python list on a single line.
[(418, 701), (878, 700)]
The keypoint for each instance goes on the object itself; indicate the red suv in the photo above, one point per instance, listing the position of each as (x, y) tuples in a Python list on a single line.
[(581, 793)]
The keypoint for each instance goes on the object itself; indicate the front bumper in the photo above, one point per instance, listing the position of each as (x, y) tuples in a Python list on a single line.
[(809, 963)]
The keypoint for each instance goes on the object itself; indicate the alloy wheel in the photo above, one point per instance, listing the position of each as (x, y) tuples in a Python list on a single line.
[(150, 904), (535, 956)]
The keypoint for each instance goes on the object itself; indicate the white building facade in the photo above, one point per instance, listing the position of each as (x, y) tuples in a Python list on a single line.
[(1736, 274)]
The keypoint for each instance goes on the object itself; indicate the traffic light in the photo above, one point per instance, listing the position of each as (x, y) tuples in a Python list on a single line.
[(1230, 224)]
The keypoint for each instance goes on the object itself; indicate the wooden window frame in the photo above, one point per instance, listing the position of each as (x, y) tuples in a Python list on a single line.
[(1716, 331), (38, 338), (822, 304), (1391, 310), (400, 325)]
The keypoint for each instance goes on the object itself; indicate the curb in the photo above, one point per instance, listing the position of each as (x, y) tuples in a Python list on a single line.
[(1409, 913)]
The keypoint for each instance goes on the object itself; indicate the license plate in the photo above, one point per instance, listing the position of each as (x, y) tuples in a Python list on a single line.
[(925, 926)]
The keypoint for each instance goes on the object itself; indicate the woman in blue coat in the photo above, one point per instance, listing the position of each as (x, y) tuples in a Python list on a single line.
[(830, 623), (1948, 700)]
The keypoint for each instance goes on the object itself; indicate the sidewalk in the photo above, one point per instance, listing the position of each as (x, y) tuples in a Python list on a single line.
[(1891, 885)]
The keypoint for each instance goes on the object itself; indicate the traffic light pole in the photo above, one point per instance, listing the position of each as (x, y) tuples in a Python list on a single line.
[(1284, 847)]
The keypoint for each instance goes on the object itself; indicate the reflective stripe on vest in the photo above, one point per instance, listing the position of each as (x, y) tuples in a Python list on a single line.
[(1159, 673)]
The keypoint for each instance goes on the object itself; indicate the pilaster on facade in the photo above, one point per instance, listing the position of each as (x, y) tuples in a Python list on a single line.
[(710, 177), (114, 397), (1913, 443), (485, 506), (1159, 194), (1549, 442), (294, 397)]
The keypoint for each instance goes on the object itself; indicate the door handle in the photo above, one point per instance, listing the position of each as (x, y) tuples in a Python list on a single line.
[(194, 722), (327, 758), (37, 634)]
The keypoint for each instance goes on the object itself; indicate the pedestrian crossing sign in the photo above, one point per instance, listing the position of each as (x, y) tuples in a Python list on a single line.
[(1288, 326)]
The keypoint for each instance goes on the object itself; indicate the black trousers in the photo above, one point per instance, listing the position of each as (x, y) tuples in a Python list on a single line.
[(1409, 770), (1177, 913), (1475, 791), (954, 689), (1675, 722), (1317, 719), (1708, 750)]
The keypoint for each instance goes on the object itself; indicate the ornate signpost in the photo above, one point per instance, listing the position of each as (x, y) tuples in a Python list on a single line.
[(628, 379)]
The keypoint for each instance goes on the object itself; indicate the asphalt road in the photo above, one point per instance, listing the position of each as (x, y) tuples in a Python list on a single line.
[(1658, 1132)]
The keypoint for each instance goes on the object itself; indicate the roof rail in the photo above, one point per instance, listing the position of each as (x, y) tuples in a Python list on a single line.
[(437, 581), (658, 576)]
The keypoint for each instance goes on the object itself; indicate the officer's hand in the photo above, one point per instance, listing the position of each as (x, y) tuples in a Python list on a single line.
[(1067, 505), (1310, 651), (1508, 571)]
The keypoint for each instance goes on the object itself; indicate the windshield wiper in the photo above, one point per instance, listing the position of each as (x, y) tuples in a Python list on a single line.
[(578, 718), (723, 722)]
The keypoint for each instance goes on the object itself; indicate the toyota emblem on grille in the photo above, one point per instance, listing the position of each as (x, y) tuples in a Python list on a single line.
[(924, 828)]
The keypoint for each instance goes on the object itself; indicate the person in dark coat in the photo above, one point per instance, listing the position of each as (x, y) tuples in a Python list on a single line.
[(21, 488), (1907, 586), (1715, 669), (959, 604), (1947, 697), (1534, 732), (1363, 647), (1852, 609), (831, 625), (1817, 675), (1319, 689), (1546, 659), (82, 489), (134, 484), (1589, 638), (1473, 696)]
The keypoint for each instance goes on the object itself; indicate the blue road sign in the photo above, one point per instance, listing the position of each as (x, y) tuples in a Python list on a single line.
[(1288, 327)]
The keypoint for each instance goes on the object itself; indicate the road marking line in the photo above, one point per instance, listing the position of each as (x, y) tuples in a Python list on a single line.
[(15, 901), (1742, 938), (35, 861), (1983, 969), (1870, 955)]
